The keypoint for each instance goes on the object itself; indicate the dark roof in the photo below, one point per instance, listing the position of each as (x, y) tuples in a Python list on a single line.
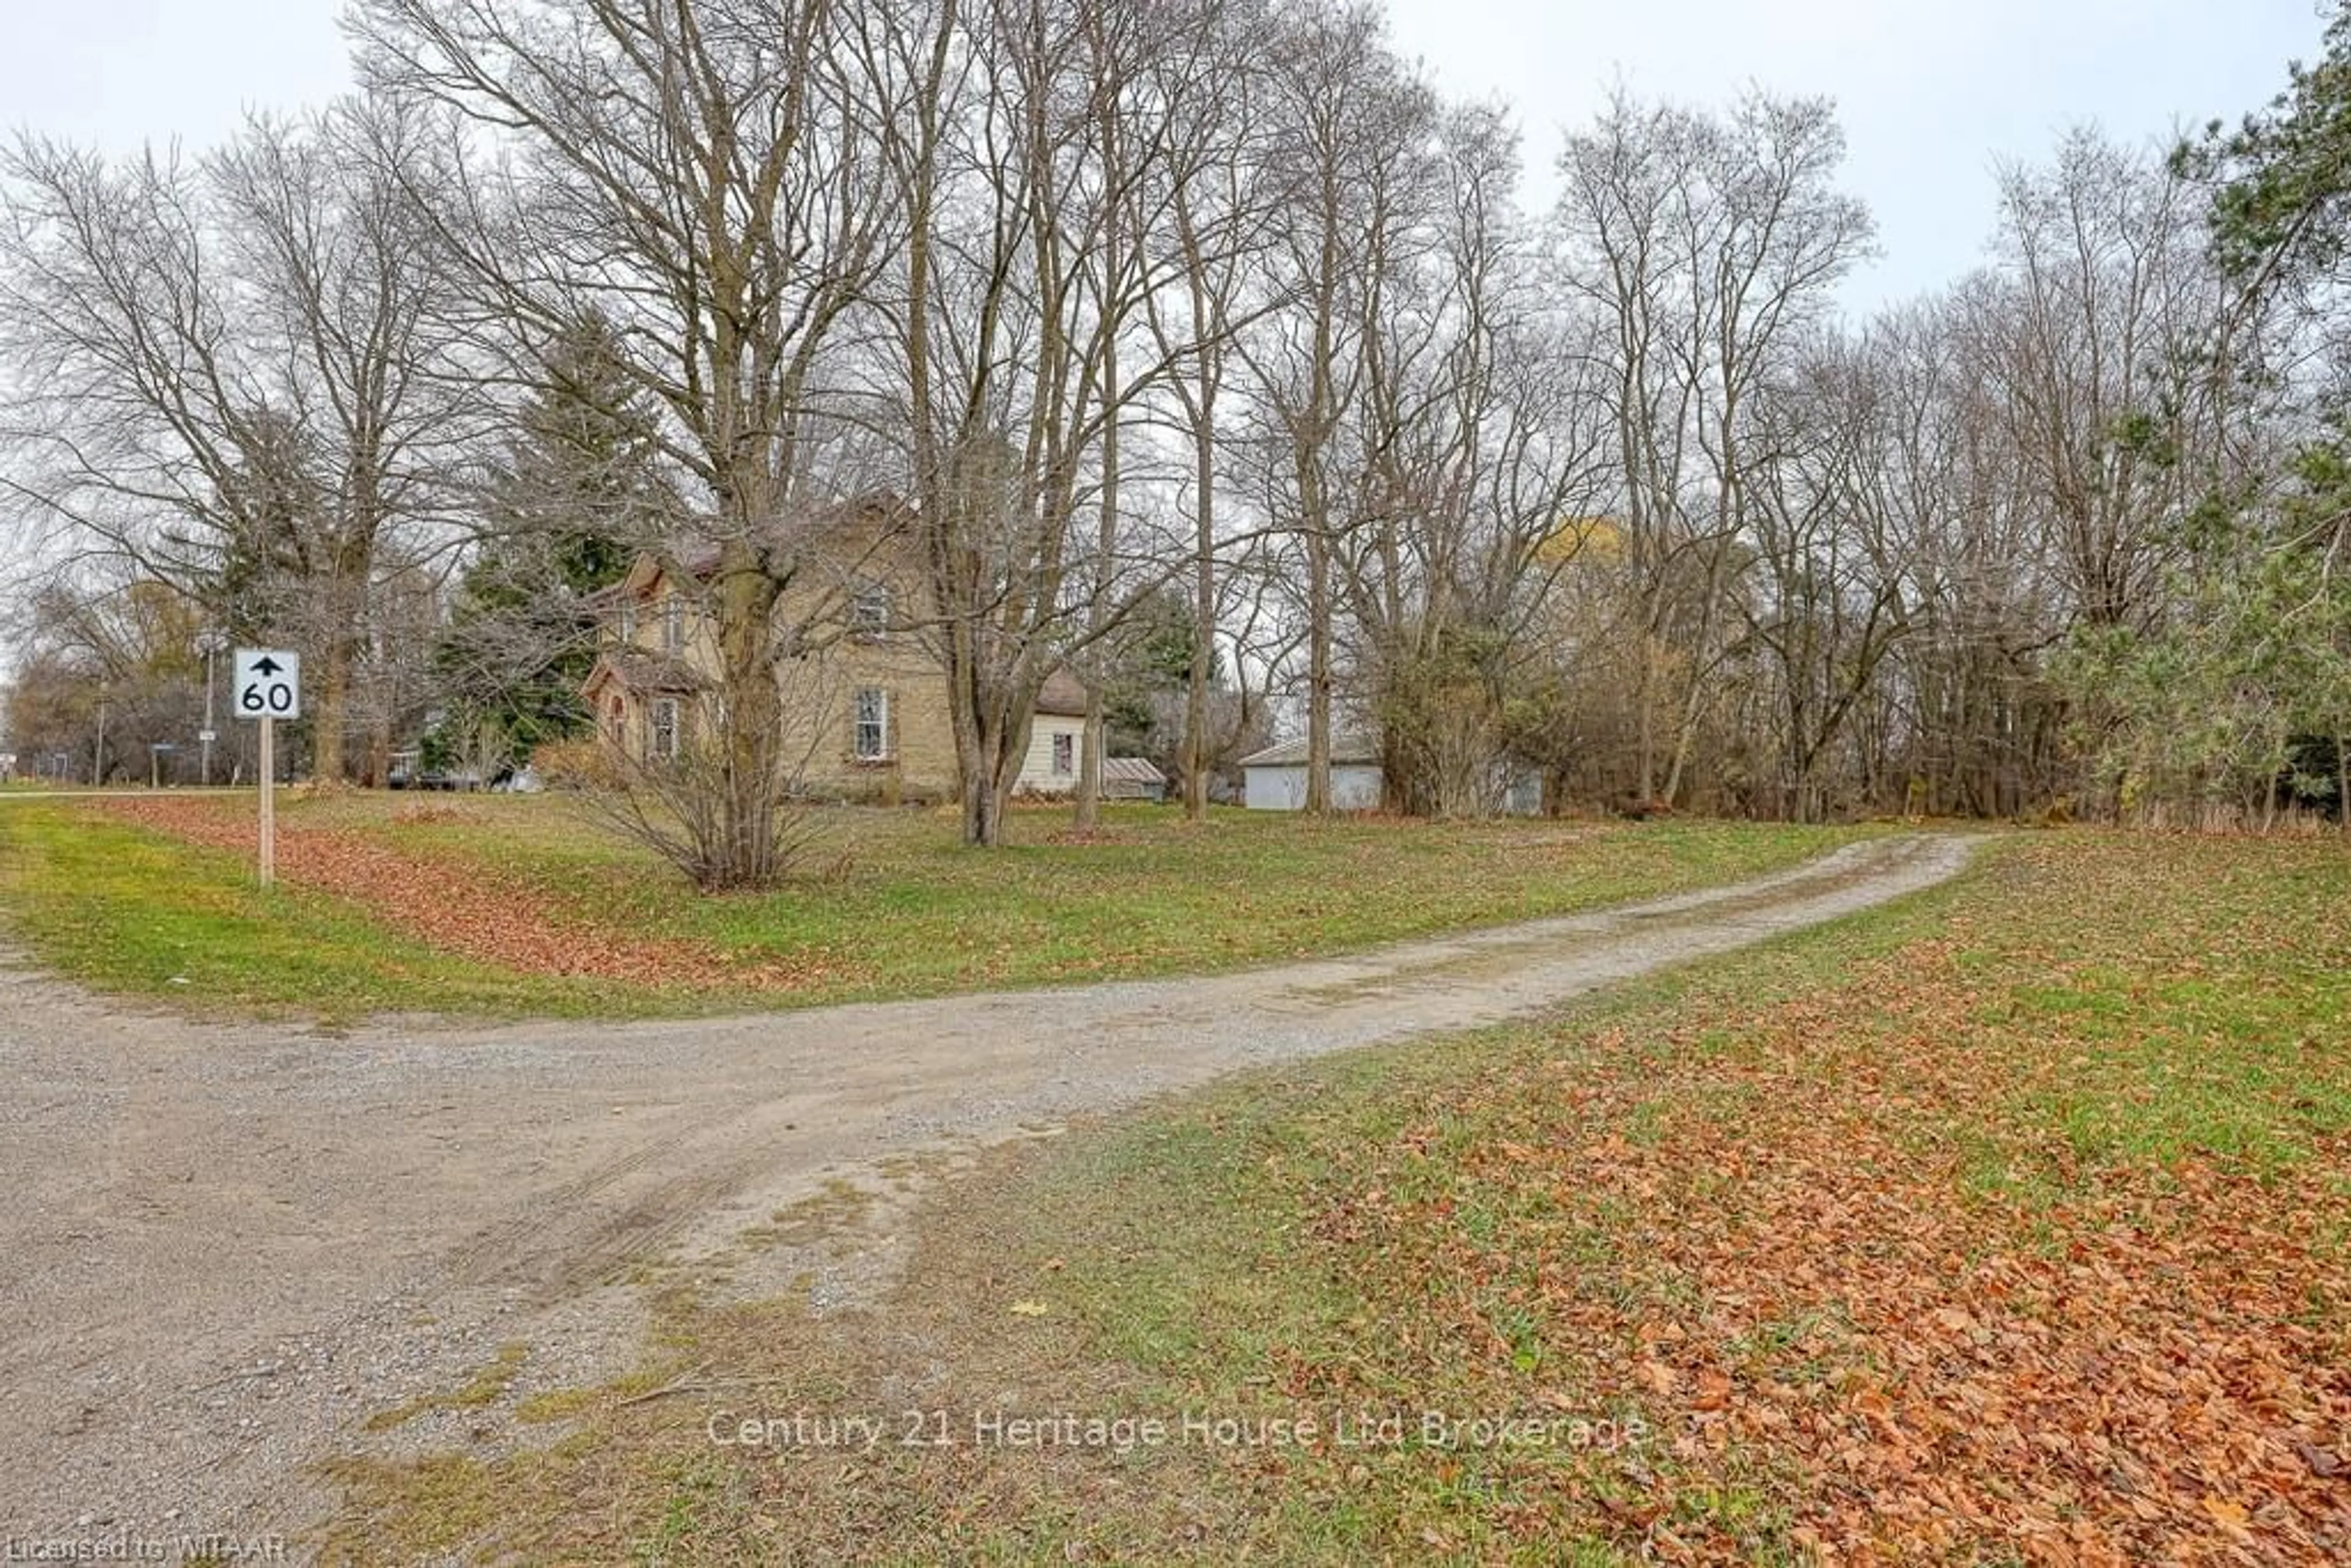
[(699, 558), (1063, 695), (641, 671), (1346, 749)]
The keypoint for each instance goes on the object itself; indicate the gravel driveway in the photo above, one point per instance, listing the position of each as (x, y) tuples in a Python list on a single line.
[(227, 1247)]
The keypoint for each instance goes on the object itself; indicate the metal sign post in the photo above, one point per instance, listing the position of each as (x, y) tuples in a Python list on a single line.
[(268, 863), (267, 687), (211, 642)]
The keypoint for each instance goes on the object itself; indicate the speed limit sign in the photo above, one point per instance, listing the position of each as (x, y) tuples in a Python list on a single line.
[(268, 684), (267, 687)]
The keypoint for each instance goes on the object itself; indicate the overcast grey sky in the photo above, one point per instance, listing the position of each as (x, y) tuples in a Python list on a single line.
[(1930, 93)]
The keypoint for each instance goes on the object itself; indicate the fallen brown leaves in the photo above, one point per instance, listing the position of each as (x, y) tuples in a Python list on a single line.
[(2135, 1388), (451, 907), (1889, 1316)]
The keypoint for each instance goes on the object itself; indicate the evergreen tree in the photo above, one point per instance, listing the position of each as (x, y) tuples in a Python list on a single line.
[(580, 494), (2281, 207), (2269, 624)]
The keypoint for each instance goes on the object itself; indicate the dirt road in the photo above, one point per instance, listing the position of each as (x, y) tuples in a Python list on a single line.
[(227, 1247)]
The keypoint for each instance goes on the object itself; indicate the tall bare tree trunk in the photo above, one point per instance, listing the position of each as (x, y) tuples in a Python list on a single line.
[(1694, 696), (1204, 629), (983, 813), (2343, 783), (1090, 764), (746, 596), (332, 717), (1319, 679), (1644, 702)]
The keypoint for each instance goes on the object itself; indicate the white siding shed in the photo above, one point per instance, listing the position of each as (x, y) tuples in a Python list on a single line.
[(1057, 749), (1274, 779), (1056, 739)]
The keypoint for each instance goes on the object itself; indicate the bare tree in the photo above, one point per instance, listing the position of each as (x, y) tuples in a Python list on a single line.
[(231, 375), (2107, 314), (704, 175), (1216, 229), (1827, 509), (1133, 58), (1979, 715), (1350, 128), (108, 676), (2090, 406), (1709, 245), (1022, 167)]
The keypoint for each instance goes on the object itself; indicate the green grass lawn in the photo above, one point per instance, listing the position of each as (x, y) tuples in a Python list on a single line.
[(896, 891), (2010, 1224), (889, 904), (134, 913)]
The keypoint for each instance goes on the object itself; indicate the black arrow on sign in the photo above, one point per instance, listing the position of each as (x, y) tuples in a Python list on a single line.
[(269, 666)]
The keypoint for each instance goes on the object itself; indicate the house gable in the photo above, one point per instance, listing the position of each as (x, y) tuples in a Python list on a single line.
[(863, 689)]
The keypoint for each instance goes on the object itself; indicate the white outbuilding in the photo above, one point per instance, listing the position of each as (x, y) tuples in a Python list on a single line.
[(1056, 739), (1274, 779)]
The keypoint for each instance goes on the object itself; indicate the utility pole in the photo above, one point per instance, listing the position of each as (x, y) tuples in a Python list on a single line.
[(209, 642)]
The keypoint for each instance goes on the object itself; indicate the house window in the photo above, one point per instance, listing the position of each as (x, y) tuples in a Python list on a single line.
[(869, 613), (1065, 755), (673, 624), (870, 739), (665, 728), (628, 621)]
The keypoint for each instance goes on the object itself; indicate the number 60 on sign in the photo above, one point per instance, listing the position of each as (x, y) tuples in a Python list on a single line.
[(268, 684), (267, 687)]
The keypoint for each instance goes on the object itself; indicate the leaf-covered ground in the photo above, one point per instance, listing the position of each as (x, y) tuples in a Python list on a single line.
[(2012, 1225), (524, 904), (2027, 1239), (447, 907)]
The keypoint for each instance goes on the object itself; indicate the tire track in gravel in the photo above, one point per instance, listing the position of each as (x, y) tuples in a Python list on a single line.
[(229, 1246)]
